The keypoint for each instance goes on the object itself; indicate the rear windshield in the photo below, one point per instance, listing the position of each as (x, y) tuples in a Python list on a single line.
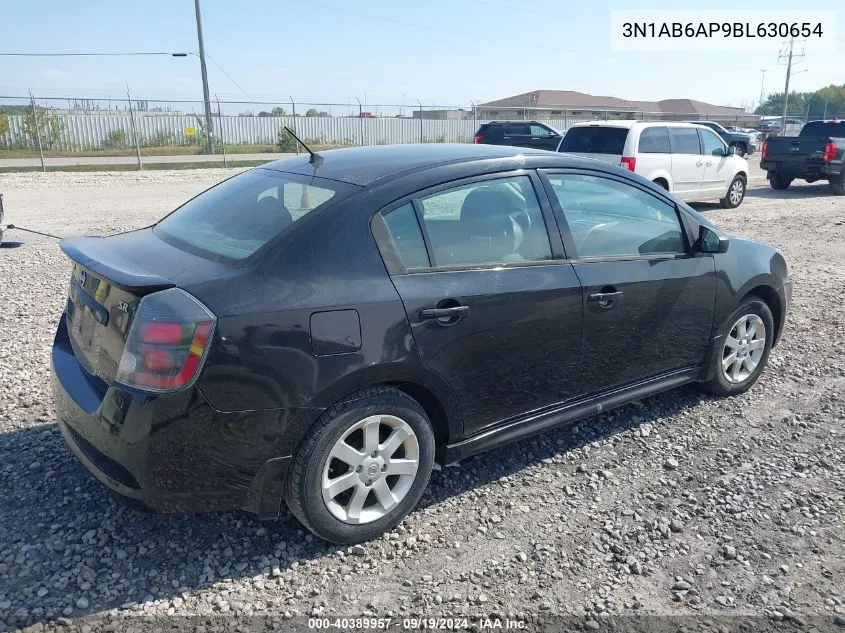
[(240, 215), (594, 140), (822, 128)]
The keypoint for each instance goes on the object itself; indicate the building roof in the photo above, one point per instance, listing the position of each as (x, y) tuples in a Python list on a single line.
[(554, 99)]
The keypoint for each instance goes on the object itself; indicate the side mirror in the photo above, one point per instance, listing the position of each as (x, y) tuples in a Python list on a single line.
[(731, 150), (711, 242)]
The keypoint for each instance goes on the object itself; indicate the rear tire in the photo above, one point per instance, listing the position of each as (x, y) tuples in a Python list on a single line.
[(389, 438), (839, 185), (736, 193), (779, 182), (741, 350)]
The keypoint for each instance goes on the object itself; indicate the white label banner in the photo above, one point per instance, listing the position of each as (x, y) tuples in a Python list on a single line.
[(720, 30)]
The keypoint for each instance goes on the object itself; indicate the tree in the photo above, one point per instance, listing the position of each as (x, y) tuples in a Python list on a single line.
[(44, 122), (833, 96), (4, 123), (315, 112), (277, 111)]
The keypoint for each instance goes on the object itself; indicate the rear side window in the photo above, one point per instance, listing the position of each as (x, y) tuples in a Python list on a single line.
[(240, 215), (821, 128), (405, 231), (595, 140), (519, 128), (654, 140), (684, 140)]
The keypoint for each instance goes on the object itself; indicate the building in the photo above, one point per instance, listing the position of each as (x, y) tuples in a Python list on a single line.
[(453, 115), (563, 104)]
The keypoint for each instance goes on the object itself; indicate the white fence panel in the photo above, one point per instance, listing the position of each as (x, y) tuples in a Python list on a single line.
[(115, 130)]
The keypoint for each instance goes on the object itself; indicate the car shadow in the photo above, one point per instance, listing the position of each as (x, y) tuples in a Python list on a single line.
[(794, 192), (60, 528)]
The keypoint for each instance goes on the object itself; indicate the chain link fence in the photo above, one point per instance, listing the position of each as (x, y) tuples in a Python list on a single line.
[(68, 126)]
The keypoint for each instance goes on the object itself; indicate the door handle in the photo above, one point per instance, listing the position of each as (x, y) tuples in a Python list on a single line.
[(699, 163), (443, 313), (709, 163), (605, 299)]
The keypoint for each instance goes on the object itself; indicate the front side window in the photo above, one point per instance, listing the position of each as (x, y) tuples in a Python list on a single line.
[(487, 222), (539, 130), (654, 140), (609, 218), (240, 215), (712, 144), (684, 140)]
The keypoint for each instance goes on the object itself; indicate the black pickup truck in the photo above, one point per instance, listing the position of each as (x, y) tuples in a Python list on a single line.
[(817, 153)]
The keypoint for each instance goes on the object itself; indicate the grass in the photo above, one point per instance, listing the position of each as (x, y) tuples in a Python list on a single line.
[(176, 150), (147, 167)]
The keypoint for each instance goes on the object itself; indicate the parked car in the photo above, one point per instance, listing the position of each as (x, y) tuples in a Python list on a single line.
[(817, 153), (770, 125), (518, 134), (689, 160), (745, 144), (324, 331)]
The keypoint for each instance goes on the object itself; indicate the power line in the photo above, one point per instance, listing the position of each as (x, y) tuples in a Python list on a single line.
[(91, 54)]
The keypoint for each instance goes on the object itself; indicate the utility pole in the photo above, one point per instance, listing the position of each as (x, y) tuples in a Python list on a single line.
[(762, 85), (209, 123), (789, 60)]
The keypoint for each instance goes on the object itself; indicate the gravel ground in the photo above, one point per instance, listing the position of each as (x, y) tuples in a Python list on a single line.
[(681, 504)]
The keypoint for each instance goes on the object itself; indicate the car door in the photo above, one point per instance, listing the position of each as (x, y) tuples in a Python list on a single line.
[(517, 134), (648, 301), (494, 307), (543, 137), (717, 171), (687, 162)]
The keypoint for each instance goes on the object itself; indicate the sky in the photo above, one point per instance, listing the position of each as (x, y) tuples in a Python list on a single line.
[(440, 52)]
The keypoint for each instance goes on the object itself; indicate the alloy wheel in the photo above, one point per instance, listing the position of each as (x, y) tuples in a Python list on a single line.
[(370, 469), (744, 348), (737, 191)]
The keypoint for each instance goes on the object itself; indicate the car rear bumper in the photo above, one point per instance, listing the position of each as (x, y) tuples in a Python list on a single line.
[(171, 452), (804, 170)]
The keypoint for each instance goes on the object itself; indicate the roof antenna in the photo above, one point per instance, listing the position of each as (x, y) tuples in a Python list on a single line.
[(315, 157)]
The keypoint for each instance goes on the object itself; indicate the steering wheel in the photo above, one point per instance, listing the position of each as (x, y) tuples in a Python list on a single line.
[(593, 230)]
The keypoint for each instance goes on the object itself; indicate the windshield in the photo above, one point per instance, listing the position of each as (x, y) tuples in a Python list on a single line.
[(835, 129), (595, 140), (240, 215)]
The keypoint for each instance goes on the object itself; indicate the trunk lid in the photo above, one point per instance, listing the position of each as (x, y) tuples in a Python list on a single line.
[(110, 277)]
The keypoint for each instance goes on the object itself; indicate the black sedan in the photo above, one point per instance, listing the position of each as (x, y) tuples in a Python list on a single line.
[(320, 331)]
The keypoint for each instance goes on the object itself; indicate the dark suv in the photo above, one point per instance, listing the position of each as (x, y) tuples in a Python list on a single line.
[(745, 144), (323, 331), (518, 134)]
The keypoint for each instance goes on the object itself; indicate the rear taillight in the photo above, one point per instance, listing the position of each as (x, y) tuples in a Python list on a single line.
[(829, 151), (167, 343), (478, 138), (629, 163), (764, 150)]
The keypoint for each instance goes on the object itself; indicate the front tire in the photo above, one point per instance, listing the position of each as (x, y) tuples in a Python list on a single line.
[(779, 182), (362, 467), (741, 350), (736, 193)]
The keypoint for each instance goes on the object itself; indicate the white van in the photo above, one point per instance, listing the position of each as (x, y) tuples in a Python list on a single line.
[(689, 160)]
